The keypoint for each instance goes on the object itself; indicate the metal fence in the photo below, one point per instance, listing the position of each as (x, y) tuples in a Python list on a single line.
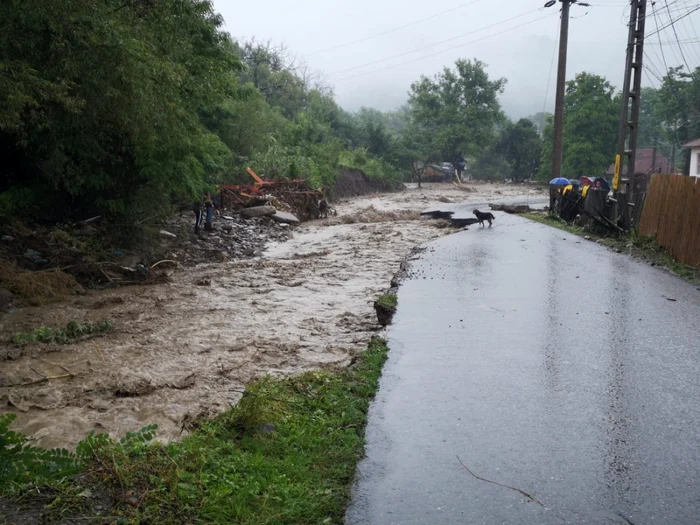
[(671, 215)]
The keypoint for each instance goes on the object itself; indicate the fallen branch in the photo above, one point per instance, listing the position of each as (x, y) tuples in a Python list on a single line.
[(163, 261), (98, 350), (62, 268), (44, 379), (147, 219), (524, 493), (106, 276), (58, 365)]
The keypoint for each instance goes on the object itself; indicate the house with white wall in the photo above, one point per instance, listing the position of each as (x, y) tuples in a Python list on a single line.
[(694, 146)]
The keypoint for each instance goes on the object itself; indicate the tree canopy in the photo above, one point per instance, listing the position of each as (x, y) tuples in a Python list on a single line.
[(126, 108), (590, 128)]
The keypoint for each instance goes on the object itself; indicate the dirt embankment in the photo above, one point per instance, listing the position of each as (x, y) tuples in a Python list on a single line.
[(183, 350), (354, 183)]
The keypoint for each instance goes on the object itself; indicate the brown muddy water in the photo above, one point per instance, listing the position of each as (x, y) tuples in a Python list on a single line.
[(184, 351)]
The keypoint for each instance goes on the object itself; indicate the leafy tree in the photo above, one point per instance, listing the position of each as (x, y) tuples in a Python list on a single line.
[(456, 111), (491, 165), (651, 127), (679, 107), (520, 146), (590, 128), (539, 119), (100, 101)]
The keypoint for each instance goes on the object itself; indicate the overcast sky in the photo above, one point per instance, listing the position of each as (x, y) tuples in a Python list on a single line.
[(326, 32)]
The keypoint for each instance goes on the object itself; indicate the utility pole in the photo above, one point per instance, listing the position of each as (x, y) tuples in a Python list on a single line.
[(653, 159), (558, 154), (673, 159), (629, 117)]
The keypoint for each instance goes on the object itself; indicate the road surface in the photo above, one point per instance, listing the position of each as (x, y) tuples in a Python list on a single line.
[(543, 362)]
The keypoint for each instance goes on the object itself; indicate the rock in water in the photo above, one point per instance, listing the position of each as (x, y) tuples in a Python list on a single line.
[(284, 217), (258, 211)]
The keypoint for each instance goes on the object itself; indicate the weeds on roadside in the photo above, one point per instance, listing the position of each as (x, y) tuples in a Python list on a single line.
[(645, 248), (388, 300), (73, 331)]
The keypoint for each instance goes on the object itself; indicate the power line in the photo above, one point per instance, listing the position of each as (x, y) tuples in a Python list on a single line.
[(676, 35), (673, 42), (445, 50), (692, 25), (432, 45), (410, 24), (673, 21), (693, 49), (549, 79), (671, 88), (649, 64), (651, 82), (656, 20)]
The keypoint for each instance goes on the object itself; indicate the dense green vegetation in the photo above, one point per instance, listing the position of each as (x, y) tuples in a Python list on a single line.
[(669, 117), (126, 108), (287, 453), (73, 331)]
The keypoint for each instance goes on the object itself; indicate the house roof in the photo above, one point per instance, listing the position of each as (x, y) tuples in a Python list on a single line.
[(692, 144), (643, 162)]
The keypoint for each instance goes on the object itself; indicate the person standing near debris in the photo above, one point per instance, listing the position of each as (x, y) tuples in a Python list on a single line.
[(459, 166), (197, 209), (209, 205)]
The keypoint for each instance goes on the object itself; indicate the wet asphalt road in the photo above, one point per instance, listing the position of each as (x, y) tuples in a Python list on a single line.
[(547, 363), (462, 210)]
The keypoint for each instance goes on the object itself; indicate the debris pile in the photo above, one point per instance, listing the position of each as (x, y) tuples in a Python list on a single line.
[(40, 265), (233, 237), (455, 222), (515, 209), (295, 196)]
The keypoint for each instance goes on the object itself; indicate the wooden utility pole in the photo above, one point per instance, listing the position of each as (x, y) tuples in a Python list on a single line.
[(673, 159), (629, 116), (558, 153)]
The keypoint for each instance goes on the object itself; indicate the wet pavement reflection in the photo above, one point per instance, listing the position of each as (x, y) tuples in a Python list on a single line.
[(544, 362)]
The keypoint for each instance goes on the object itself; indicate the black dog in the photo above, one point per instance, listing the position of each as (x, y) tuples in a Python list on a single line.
[(482, 217), (323, 209)]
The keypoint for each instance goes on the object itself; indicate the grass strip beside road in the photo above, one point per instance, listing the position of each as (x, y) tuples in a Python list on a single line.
[(286, 453)]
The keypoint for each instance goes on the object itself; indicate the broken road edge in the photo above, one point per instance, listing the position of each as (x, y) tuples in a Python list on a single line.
[(386, 304), (286, 453)]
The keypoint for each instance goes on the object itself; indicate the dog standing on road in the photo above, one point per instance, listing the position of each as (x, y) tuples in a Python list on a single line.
[(483, 217)]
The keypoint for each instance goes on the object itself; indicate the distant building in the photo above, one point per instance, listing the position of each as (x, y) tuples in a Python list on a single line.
[(644, 163), (694, 146)]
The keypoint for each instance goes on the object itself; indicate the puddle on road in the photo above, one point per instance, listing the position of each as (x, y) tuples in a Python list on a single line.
[(182, 352)]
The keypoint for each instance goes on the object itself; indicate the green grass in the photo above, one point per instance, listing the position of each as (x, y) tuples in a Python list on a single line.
[(287, 453), (556, 222), (644, 248), (388, 300), (73, 332)]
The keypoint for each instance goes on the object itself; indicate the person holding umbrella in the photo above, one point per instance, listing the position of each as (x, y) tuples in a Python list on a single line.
[(555, 186)]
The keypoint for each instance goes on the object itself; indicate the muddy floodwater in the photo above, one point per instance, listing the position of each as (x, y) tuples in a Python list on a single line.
[(184, 351)]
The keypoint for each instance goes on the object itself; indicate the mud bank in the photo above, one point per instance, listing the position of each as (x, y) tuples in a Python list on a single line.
[(184, 350), (354, 183)]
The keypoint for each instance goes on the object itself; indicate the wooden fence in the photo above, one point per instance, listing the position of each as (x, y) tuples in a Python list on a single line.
[(671, 214)]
